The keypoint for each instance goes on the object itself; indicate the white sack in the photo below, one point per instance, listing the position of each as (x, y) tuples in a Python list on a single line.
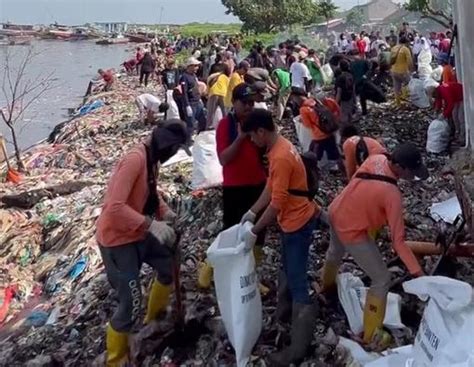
[(237, 291), (305, 136), (418, 95), (173, 112), (352, 294), (445, 336), (437, 140), (328, 73), (207, 171), (218, 115)]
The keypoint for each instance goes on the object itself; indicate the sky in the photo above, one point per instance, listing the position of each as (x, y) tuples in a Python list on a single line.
[(133, 11)]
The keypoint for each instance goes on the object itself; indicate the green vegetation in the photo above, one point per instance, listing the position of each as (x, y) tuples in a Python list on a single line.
[(327, 9), (441, 11), (355, 18), (203, 29)]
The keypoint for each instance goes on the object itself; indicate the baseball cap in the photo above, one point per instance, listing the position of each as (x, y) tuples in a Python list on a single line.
[(408, 156), (243, 92), (192, 61)]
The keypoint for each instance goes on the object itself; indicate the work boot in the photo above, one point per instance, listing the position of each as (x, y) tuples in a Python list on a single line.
[(117, 348), (283, 309), (374, 313), (302, 327), (258, 254), (205, 274), (158, 300)]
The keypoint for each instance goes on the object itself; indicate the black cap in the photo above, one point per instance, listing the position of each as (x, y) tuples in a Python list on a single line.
[(243, 92), (176, 133), (408, 156)]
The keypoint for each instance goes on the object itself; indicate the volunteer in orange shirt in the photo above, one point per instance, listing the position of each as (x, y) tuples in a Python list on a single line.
[(132, 229), (298, 218), (371, 200), (357, 149)]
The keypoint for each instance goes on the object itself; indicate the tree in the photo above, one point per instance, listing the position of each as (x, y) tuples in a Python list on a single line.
[(356, 18), (265, 16), (20, 91), (441, 11), (327, 9)]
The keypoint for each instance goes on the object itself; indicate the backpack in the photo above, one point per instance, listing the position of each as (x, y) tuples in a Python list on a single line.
[(310, 162), (374, 177), (327, 120), (361, 151)]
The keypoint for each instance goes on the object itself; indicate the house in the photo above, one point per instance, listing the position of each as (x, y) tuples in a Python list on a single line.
[(376, 11), (112, 27), (336, 25)]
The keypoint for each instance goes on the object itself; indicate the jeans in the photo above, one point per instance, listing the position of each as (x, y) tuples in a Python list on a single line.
[(199, 115), (295, 250)]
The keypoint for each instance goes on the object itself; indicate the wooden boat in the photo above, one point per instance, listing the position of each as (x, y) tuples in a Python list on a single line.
[(10, 29), (113, 41), (140, 37)]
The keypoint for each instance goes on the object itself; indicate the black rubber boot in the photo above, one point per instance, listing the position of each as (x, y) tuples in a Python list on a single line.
[(284, 304)]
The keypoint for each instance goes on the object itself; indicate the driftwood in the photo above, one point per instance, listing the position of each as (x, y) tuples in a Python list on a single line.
[(28, 199)]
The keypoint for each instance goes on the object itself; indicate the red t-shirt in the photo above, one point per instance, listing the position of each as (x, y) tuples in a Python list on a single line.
[(246, 168), (361, 46), (108, 76)]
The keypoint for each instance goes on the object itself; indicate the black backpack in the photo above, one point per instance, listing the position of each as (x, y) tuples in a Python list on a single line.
[(310, 162), (327, 120), (361, 151)]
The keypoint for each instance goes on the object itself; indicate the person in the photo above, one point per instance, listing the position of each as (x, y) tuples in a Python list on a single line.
[(448, 75), (392, 38), (148, 106), (298, 218), (218, 85), (322, 142), (138, 57), (300, 76), (345, 92), (314, 66), (360, 69), (243, 172), (357, 149), (170, 81), (281, 80), (371, 200), (192, 103), (130, 66), (147, 67), (236, 79), (402, 65), (343, 44), (103, 82), (425, 58), (361, 45), (133, 229)]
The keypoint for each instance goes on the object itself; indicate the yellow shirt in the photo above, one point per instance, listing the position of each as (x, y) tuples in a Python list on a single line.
[(219, 88), (235, 80), (404, 62)]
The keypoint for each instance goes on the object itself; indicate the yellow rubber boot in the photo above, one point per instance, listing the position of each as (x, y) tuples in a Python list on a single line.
[(205, 274), (328, 277), (258, 254), (374, 313), (158, 300), (117, 348)]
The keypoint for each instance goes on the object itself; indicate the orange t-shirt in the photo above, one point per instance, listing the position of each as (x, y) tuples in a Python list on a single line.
[(310, 119), (349, 149), (288, 172), (448, 75), (333, 106), (122, 221), (366, 205)]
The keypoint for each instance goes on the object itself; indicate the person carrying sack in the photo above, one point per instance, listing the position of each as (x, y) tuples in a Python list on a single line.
[(371, 200), (133, 228)]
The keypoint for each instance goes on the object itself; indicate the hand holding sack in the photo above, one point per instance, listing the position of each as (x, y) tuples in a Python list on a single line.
[(163, 233), (247, 236), (250, 216)]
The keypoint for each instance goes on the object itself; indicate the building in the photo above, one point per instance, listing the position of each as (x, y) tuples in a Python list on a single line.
[(112, 27), (376, 11)]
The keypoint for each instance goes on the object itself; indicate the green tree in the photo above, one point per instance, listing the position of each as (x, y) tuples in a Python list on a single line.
[(356, 18), (326, 9), (441, 11), (264, 16)]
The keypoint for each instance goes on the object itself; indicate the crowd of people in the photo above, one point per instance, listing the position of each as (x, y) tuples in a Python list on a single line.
[(265, 178)]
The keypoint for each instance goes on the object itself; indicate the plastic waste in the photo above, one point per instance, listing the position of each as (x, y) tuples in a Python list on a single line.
[(36, 318), (438, 136), (418, 95), (207, 171)]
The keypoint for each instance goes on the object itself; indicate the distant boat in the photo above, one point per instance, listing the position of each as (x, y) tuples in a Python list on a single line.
[(140, 37), (10, 29), (16, 41), (61, 32), (114, 40)]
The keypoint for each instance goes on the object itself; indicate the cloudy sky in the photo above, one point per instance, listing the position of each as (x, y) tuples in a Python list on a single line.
[(134, 11)]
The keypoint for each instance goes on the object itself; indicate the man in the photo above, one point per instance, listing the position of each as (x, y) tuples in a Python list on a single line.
[(147, 68), (148, 106), (132, 229), (218, 85), (170, 80), (282, 83), (402, 65), (314, 66), (371, 200), (242, 167), (392, 39), (297, 217), (192, 103), (360, 69), (357, 149), (236, 78), (345, 92), (103, 82), (300, 76)]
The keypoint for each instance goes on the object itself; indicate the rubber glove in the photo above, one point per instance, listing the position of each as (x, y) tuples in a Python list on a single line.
[(189, 111), (169, 216), (163, 233), (247, 236), (250, 216)]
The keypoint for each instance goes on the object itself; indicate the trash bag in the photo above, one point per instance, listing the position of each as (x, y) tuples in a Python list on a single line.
[(418, 95), (328, 74), (445, 336), (352, 294), (438, 136), (303, 133), (238, 297), (173, 111), (437, 74), (207, 171)]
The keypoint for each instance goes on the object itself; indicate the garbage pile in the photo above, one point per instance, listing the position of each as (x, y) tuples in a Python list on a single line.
[(57, 300)]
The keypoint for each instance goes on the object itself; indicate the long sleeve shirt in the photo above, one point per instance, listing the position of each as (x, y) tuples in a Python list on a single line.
[(449, 94), (190, 88)]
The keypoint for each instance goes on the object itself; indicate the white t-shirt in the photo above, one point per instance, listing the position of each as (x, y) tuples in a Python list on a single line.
[(149, 101), (367, 43), (299, 71)]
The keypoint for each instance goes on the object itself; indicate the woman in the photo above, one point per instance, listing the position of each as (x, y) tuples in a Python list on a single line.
[(147, 67), (424, 59)]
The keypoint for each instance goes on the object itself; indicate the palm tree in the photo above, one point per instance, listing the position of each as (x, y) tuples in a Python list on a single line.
[(327, 9)]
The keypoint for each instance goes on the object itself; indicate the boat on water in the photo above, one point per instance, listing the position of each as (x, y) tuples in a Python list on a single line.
[(16, 41), (113, 40), (140, 36), (10, 29)]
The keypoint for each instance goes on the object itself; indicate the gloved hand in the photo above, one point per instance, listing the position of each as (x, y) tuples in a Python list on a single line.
[(169, 216), (250, 216), (246, 235), (163, 233), (189, 111)]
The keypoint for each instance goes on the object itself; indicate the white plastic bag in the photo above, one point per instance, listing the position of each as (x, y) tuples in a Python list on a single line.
[(237, 291), (399, 357), (303, 133), (207, 171), (352, 294), (328, 73), (217, 117), (437, 140), (173, 112), (445, 336), (418, 95)]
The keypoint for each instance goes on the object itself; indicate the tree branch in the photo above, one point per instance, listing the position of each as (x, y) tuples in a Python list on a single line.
[(437, 20)]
